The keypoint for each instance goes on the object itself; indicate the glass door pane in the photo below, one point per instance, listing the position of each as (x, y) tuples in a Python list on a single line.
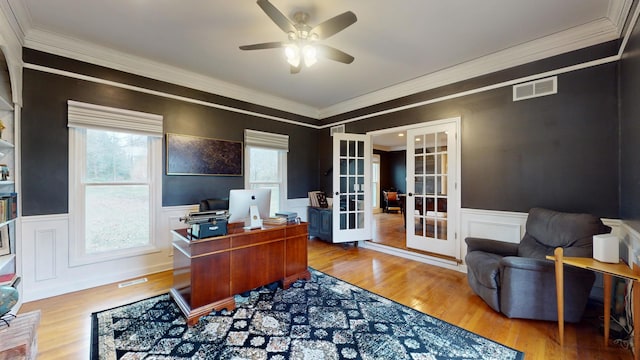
[(352, 185), (429, 181)]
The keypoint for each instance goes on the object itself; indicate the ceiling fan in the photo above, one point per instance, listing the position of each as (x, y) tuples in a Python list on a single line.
[(303, 45)]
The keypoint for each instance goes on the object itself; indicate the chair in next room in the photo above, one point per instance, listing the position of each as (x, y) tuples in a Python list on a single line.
[(391, 201)]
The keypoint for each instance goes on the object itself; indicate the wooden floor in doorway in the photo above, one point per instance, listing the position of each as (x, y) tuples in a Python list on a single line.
[(388, 229)]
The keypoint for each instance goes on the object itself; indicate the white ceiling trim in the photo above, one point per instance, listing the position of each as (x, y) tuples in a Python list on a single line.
[(479, 90), (618, 11), (91, 53), (573, 39), (18, 17), (601, 30), (162, 94)]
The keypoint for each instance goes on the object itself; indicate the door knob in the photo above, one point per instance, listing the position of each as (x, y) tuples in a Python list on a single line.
[(410, 194), (337, 193)]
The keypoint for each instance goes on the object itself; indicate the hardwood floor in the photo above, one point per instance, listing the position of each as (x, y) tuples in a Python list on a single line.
[(65, 324), (388, 229)]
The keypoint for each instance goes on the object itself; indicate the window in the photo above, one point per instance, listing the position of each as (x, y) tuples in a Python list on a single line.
[(266, 165), (375, 179), (114, 182), (116, 191)]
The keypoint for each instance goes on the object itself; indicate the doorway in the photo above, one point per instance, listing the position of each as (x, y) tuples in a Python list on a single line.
[(421, 162)]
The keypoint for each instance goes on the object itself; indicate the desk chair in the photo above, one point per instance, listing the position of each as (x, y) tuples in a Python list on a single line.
[(391, 201)]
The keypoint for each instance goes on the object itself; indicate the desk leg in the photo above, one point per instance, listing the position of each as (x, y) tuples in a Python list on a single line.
[(558, 252), (606, 279)]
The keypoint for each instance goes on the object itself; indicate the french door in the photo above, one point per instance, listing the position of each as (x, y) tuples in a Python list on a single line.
[(432, 193), (351, 187)]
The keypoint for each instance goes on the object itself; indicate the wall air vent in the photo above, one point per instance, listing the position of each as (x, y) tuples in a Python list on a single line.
[(542, 87), (337, 129)]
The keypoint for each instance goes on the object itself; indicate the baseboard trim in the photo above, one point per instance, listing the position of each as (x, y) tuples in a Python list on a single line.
[(72, 286), (408, 254)]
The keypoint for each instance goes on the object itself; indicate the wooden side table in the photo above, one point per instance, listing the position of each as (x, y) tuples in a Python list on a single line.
[(20, 339), (607, 270)]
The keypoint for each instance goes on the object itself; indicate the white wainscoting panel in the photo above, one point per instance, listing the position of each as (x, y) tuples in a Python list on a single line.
[(45, 250), (631, 239), (494, 230), (45, 256), (499, 225), (171, 221)]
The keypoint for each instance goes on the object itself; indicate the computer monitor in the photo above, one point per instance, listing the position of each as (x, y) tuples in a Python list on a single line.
[(240, 201)]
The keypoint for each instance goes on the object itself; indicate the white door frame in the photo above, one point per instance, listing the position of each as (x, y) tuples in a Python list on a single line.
[(375, 158), (357, 196), (457, 202)]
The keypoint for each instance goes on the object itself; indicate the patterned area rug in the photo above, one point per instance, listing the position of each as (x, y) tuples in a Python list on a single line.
[(324, 318)]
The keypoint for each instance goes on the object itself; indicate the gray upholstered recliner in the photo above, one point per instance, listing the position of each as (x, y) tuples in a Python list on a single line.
[(517, 280)]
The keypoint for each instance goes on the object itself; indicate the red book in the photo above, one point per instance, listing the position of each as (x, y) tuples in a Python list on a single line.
[(7, 277)]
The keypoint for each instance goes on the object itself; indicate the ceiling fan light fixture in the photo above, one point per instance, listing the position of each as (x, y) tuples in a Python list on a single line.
[(310, 55), (303, 40), (292, 52)]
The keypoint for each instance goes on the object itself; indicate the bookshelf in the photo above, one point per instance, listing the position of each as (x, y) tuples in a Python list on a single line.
[(8, 262), (9, 273)]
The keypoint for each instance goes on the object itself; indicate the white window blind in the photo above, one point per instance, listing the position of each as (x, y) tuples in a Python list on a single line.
[(266, 140), (83, 115)]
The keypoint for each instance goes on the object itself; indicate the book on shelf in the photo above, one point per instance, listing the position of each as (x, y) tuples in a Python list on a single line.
[(7, 279), (8, 206)]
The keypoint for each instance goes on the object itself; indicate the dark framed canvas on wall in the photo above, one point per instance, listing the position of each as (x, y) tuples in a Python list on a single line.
[(194, 155)]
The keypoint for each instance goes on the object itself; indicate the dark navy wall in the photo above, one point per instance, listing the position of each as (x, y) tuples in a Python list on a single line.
[(398, 160), (558, 151), (393, 170), (44, 136), (630, 131)]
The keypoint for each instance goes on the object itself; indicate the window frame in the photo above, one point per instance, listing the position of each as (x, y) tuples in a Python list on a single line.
[(375, 181), (282, 173), (77, 163)]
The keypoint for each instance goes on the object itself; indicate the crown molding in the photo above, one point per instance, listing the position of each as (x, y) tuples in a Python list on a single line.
[(590, 34), (18, 18), (602, 30), (163, 94), (94, 54), (617, 13)]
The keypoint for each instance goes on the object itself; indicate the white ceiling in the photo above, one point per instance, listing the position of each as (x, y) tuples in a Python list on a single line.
[(400, 47)]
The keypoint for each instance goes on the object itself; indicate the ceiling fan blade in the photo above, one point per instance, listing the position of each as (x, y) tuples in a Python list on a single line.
[(334, 54), (269, 45), (272, 12), (295, 69), (334, 25)]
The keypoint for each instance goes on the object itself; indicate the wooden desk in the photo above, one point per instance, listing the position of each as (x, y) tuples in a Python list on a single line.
[(607, 270), (207, 273)]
